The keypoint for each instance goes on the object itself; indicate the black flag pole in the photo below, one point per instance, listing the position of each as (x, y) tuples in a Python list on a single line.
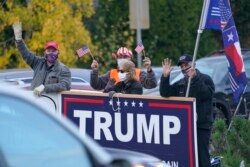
[(237, 108)]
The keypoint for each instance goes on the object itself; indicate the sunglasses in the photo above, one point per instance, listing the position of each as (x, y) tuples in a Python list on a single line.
[(122, 71), (123, 56)]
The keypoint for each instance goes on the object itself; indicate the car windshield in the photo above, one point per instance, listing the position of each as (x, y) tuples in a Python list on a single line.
[(214, 68), (30, 138), (247, 66)]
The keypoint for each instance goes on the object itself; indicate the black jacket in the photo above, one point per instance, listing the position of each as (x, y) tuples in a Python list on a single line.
[(130, 87), (201, 87)]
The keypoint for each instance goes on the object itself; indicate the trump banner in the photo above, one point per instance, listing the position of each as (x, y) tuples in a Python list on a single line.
[(163, 127)]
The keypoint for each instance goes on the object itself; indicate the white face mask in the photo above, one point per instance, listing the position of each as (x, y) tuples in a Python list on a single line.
[(120, 62), (122, 76)]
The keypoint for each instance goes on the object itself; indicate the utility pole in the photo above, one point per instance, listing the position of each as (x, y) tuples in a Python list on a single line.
[(139, 19)]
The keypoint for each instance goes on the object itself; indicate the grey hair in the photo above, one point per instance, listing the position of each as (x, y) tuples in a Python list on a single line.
[(130, 67)]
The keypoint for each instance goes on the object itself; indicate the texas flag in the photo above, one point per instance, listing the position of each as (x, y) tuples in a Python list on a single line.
[(220, 10), (232, 49)]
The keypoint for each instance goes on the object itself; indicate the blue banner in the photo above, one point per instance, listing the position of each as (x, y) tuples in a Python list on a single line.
[(158, 126)]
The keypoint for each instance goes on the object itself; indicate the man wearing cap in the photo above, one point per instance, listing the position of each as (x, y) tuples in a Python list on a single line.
[(147, 79), (201, 88), (50, 75)]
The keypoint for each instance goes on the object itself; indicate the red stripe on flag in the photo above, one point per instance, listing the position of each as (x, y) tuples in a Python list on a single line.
[(234, 56)]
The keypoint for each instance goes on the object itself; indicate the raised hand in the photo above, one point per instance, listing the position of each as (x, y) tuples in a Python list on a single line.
[(95, 65), (167, 67), (147, 63), (17, 27)]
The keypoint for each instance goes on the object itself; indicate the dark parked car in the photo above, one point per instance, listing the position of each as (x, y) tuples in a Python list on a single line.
[(216, 66)]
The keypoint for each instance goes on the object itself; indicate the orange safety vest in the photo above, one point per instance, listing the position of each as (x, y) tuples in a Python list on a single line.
[(114, 74)]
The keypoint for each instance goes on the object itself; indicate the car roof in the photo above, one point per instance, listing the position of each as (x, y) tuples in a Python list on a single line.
[(212, 58), (217, 59), (15, 73), (81, 73), (245, 52), (27, 72)]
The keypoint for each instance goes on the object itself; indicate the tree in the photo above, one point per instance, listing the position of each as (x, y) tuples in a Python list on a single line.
[(58, 20), (110, 30), (242, 20), (173, 29), (233, 145)]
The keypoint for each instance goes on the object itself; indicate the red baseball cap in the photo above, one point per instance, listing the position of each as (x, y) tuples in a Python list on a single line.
[(51, 44)]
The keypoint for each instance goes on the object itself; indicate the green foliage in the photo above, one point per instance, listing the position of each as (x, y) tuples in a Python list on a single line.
[(238, 138), (73, 23), (241, 18), (58, 20), (173, 30), (229, 160), (218, 135), (110, 30), (234, 146)]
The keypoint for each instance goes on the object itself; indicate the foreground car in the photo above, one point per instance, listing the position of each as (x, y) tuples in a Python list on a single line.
[(33, 136)]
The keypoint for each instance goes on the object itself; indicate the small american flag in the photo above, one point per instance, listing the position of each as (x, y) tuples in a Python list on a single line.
[(82, 51), (139, 48)]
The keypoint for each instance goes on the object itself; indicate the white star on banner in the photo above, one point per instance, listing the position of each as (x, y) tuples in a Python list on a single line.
[(133, 103), (141, 104), (230, 37), (118, 103), (110, 102), (125, 103)]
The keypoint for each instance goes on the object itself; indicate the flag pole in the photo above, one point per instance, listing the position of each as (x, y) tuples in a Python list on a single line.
[(199, 31), (237, 108), (143, 53), (91, 55)]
